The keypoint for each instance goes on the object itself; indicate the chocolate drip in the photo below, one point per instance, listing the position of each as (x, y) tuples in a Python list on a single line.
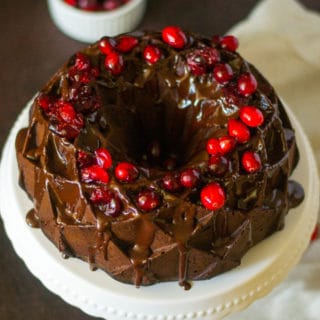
[(32, 219), (183, 267), (167, 106), (295, 194)]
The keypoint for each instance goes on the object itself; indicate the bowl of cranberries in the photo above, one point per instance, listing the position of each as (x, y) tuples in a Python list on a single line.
[(89, 20)]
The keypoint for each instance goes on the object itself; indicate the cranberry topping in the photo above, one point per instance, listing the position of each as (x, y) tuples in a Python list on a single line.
[(104, 158), (94, 173), (106, 45), (114, 63), (82, 62), (171, 182), (238, 130), (216, 39), (213, 146), (218, 165), (174, 36), (84, 97), (251, 116), (247, 84), (148, 200), (67, 122), (212, 196), (44, 101), (126, 172), (151, 54), (229, 42), (226, 144), (189, 178), (251, 161), (66, 111), (84, 159), (223, 73), (201, 60), (107, 201), (126, 43)]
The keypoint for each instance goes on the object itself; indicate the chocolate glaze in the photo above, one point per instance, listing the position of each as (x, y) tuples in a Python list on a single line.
[(32, 219), (164, 104)]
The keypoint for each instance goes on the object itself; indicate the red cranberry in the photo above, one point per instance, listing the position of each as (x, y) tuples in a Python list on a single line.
[(218, 165), (213, 146), (84, 159), (171, 182), (66, 112), (107, 201), (174, 36), (222, 73), (89, 5), (251, 162), (111, 4), (104, 158), (226, 144), (315, 233), (82, 62), (126, 172), (148, 200), (151, 54), (71, 2), (114, 63), (212, 196), (247, 84), (44, 101), (189, 178), (126, 43), (216, 39), (106, 45), (251, 116), (201, 60), (94, 173), (229, 42), (85, 98), (238, 130), (68, 122)]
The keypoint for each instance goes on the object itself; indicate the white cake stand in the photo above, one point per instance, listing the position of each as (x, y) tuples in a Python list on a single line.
[(97, 294)]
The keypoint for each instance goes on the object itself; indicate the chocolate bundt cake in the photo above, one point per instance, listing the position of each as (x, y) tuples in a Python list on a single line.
[(158, 156)]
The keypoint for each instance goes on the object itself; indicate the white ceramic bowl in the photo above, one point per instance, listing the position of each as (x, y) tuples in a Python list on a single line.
[(89, 26)]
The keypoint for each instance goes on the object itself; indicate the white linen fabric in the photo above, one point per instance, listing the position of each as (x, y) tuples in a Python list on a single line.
[(282, 39)]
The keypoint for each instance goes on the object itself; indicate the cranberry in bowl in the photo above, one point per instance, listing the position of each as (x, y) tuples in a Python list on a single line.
[(89, 20)]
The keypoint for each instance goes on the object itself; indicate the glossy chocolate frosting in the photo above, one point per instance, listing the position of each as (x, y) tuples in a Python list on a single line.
[(167, 105)]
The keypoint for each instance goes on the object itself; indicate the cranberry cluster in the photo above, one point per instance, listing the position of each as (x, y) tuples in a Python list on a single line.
[(68, 118), (96, 5), (95, 169), (81, 76), (114, 50), (66, 115), (62, 115)]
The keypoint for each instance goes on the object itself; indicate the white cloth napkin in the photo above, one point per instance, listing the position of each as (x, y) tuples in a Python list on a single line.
[(282, 39)]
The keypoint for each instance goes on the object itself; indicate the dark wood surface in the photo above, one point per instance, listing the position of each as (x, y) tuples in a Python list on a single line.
[(31, 50)]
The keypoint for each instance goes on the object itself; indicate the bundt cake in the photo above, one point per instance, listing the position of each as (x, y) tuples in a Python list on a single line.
[(158, 156)]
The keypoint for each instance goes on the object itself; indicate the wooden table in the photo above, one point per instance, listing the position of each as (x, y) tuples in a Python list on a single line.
[(31, 50)]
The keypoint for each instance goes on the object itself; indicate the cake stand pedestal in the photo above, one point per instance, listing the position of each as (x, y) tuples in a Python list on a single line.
[(262, 268)]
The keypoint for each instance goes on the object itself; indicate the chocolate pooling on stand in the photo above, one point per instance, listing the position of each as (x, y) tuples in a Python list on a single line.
[(158, 156)]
